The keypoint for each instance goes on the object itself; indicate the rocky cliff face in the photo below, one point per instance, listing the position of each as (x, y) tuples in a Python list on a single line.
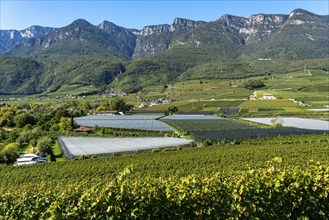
[(125, 39), (36, 31), (10, 38), (259, 26), (157, 38), (302, 35), (81, 38)]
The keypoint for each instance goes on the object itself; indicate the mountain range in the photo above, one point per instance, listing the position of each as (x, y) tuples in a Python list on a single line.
[(163, 52)]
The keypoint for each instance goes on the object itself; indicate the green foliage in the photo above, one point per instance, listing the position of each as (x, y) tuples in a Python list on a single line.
[(277, 122), (290, 43), (44, 146), (9, 153), (20, 75), (79, 40), (272, 192), (82, 53), (294, 150), (130, 76), (120, 105), (65, 124), (253, 84), (24, 119), (171, 110)]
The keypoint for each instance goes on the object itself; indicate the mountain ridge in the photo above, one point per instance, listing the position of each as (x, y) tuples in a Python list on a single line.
[(110, 56), (229, 31)]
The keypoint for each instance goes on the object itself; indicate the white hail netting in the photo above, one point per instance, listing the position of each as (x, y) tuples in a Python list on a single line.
[(78, 146), (140, 122)]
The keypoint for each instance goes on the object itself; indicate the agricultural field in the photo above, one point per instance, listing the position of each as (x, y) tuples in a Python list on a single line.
[(222, 128), (74, 89), (302, 123), (308, 86), (223, 158), (232, 136), (86, 146), (196, 90), (274, 106), (268, 103), (193, 125), (123, 122), (271, 165), (204, 105)]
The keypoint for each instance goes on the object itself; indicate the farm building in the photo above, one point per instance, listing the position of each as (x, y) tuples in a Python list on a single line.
[(252, 97), (268, 96)]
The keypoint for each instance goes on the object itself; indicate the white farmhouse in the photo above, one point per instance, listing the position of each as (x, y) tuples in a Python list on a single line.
[(268, 96), (252, 97)]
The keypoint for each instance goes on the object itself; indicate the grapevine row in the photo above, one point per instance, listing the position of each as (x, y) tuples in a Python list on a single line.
[(272, 192)]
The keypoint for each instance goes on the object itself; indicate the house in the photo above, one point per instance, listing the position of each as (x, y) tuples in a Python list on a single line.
[(143, 105), (268, 96), (252, 97)]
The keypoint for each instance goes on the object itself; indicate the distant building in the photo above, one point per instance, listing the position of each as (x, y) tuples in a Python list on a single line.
[(268, 96), (143, 105), (252, 97)]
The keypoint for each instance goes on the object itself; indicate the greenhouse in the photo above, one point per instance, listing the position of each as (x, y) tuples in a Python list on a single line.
[(80, 146), (140, 122)]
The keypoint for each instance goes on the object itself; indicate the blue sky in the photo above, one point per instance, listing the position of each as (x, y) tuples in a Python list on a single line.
[(137, 14)]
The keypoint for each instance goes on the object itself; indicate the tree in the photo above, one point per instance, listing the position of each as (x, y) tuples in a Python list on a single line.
[(253, 84), (23, 119), (7, 119), (120, 105), (171, 110), (10, 153), (44, 145), (65, 124), (277, 122)]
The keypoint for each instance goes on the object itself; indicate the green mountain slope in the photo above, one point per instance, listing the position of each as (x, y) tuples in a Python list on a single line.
[(20, 75), (303, 35), (128, 59), (75, 41)]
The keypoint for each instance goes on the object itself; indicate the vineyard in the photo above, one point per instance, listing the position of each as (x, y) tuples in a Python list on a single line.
[(249, 133), (199, 105), (193, 125), (228, 110), (220, 181)]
